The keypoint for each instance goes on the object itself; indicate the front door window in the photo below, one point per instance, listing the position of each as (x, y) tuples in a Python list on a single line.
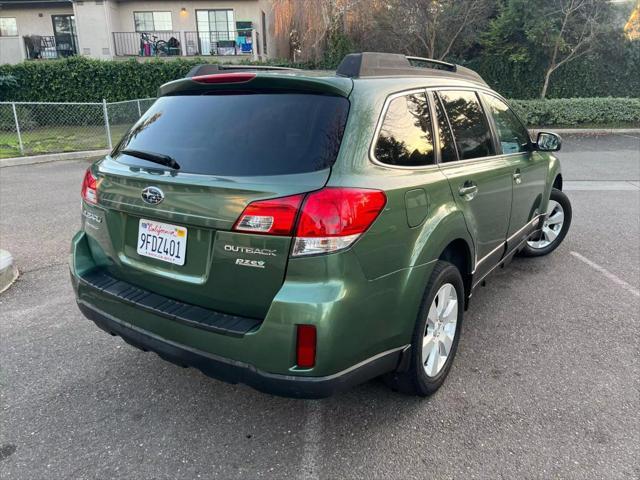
[(513, 137)]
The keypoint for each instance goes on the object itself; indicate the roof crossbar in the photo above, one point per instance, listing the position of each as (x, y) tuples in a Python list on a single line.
[(374, 64)]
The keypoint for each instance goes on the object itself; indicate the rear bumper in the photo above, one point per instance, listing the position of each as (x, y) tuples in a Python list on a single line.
[(233, 371)]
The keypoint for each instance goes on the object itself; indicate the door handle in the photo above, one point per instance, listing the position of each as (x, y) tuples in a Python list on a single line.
[(468, 191), (517, 177)]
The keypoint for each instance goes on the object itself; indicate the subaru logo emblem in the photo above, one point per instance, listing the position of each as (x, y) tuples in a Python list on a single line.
[(152, 195)]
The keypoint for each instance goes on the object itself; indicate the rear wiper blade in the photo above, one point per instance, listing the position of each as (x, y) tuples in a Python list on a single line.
[(158, 158)]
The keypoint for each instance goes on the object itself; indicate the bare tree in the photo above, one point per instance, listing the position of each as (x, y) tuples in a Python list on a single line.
[(569, 30), (313, 20), (433, 28)]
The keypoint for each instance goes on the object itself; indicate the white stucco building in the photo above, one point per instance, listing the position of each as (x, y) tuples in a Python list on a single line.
[(108, 29)]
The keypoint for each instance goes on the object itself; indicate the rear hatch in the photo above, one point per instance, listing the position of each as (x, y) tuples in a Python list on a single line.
[(233, 147)]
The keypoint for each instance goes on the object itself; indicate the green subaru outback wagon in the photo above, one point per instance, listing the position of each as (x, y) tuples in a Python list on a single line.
[(302, 232)]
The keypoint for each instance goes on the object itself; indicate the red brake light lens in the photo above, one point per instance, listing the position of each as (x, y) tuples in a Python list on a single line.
[(306, 346), (330, 219), (339, 212), (271, 217), (89, 191), (225, 78)]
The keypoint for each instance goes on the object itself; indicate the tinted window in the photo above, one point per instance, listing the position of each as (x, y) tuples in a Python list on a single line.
[(241, 134), (513, 136), (405, 137), (447, 146), (469, 124)]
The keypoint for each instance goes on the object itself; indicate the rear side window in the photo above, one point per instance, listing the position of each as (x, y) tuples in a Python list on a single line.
[(469, 124), (513, 136), (241, 134), (406, 137)]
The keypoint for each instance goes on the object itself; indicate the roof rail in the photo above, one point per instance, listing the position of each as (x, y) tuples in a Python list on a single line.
[(374, 64), (439, 64), (213, 68)]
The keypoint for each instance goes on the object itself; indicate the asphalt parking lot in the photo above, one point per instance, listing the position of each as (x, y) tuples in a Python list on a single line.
[(546, 382)]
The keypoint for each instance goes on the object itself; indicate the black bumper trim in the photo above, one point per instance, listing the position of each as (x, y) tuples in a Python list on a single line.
[(233, 371), (190, 315)]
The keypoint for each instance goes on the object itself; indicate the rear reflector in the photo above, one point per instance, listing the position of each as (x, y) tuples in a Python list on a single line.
[(89, 191), (224, 78), (271, 217), (306, 346)]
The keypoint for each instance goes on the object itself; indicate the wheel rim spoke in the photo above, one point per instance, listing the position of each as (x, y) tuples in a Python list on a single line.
[(427, 345), (550, 234), (451, 312), (433, 360), (556, 219), (432, 316), (447, 341)]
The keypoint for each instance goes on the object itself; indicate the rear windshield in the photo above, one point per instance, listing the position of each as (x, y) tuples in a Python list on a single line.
[(241, 134)]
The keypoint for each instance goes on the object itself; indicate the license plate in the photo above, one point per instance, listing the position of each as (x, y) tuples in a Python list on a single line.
[(162, 241)]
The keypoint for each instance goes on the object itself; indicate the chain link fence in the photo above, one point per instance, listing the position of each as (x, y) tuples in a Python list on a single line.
[(35, 128)]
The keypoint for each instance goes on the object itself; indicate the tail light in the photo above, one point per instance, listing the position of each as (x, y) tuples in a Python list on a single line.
[(271, 217), (89, 191), (306, 346), (334, 218), (330, 219)]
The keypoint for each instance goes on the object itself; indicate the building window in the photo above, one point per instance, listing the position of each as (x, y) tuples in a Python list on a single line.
[(152, 21), (8, 27), (221, 22)]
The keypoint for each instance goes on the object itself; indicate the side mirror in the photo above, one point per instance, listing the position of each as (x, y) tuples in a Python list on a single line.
[(548, 142)]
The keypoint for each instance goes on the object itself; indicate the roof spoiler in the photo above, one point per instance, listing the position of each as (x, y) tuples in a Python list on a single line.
[(374, 64), (213, 68)]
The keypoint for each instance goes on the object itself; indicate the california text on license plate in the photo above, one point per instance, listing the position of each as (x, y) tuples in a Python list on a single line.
[(162, 241)]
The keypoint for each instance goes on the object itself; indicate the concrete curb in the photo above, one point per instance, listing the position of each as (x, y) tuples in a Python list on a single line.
[(8, 271), (52, 157)]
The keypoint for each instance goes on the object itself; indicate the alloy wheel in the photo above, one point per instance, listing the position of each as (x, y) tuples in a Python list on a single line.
[(551, 227), (442, 321)]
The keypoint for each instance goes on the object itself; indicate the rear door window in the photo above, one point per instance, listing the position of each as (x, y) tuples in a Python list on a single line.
[(406, 137), (241, 134), (447, 145), (469, 124), (513, 136)]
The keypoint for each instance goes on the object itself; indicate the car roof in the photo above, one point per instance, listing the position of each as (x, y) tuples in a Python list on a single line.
[(385, 70)]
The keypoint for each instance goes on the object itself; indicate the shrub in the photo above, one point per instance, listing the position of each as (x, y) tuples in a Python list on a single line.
[(577, 112), (81, 79)]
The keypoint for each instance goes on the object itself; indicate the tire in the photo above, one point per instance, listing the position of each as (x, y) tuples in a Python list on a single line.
[(542, 243), (416, 380)]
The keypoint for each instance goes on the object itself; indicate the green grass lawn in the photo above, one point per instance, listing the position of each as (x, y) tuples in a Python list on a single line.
[(58, 139)]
